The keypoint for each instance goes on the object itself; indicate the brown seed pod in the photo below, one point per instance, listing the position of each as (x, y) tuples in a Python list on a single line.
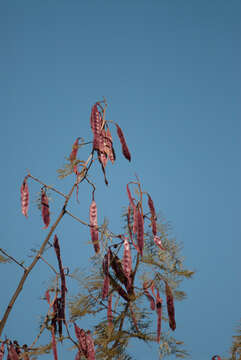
[(45, 208), (24, 197), (125, 149)]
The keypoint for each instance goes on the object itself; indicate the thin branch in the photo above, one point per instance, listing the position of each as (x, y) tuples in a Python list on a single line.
[(34, 262), (47, 186), (51, 267), (10, 257)]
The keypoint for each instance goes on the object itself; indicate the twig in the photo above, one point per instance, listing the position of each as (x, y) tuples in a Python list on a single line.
[(47, 186), (10, 257), (52, 268), (34, 262)]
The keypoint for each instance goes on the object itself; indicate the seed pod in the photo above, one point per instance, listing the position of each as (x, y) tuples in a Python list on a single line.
[(75, 147), (81, 336), (54, 346), (109, 145), (129, 222), (61, 307), (116, 265), (125, 149), (2, 351), (216, 357), (96, 124), (90, 346), (94, 226), (130, 197), (127, 262), (12, 354), (45, 208), (153, 214), (25, 197), (140, 231), (159, 315), (135, 219), (148, 295), (170, 306), (158, 242), (109, 311)]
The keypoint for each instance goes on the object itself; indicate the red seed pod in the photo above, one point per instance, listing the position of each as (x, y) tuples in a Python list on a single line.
[(78, 356), (153, 214), (90, 346), (25, 197), (159, 315), (148, 295), (54, 346), (96, 124), (129, 223), (216, 357), (109, 145), (158, 242), (135, 219), (125, 149), (2, 351), (74, 151), (140, 231), (94, 226), (130, 197), (109, 311), (170, 306), (81, 336), (12, 354), (127, 262), (45, 208)]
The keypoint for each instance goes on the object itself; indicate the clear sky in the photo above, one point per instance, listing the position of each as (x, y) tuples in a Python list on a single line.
[(170, 71)]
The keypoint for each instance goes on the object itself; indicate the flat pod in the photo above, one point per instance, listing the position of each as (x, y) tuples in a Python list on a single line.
[(94, 226), (153, 214), (125, 149), (170, 306), (90, 346), (24, 197), (45, 208), (127, 262), (74, 151)]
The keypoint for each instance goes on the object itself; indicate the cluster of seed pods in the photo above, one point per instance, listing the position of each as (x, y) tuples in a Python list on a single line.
[(86, 344), (156, 304), (24, 191), (14, 350), (102, 139)]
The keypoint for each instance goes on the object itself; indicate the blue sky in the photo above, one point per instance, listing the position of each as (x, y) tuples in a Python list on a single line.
[(170, 71)]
